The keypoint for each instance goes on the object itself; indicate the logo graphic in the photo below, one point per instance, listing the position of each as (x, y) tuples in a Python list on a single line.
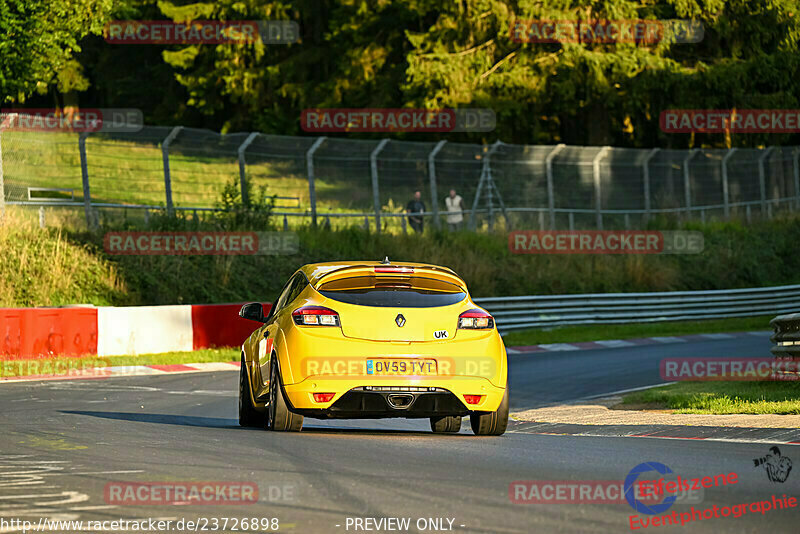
[(400, 320), (370, 367), (630, 496), (778, 467)]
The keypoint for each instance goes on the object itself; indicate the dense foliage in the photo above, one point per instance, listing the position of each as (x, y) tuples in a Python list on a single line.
[(419, 53), (71, 267)]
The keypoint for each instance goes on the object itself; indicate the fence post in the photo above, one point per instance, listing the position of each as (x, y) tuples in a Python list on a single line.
[(551, 201), (165, 158), (312, 192), (762, 179), (432, 175), (598, 201), (725, 191), (376, 198), (796, 171), (242, 178), (646, 176), (87, 196), (687, 189)]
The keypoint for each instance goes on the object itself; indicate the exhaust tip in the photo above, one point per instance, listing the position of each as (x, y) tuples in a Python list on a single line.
[(400, 401)]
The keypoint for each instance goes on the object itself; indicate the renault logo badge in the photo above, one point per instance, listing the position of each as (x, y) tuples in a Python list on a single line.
[(400, 320)]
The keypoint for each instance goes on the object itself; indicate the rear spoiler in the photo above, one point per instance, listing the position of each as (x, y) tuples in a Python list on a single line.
[(424, 271)]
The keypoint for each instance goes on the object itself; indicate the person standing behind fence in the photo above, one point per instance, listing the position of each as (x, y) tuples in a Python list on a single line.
[(455, 208), (415, 205)]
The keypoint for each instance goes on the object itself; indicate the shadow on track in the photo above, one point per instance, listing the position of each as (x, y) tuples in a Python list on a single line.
[(161, 419), (223, 423), (369, 432)]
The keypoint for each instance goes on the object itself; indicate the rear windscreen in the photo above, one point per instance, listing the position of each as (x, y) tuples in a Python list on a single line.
[(393, 292)]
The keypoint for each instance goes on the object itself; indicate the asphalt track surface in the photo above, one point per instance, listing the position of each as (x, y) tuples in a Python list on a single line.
[(61, 442)]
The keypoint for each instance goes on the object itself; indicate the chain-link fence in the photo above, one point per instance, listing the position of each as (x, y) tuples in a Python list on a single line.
[(334, 179)]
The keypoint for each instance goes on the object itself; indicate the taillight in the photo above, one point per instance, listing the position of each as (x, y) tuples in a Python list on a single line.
[(323, 397), (475, 320), (473, 399), (395, 269), (315, 316)]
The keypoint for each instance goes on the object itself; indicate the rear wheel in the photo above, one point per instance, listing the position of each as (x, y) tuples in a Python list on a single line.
[(491, 423), (248, 416), (447, 424), (278, 415)]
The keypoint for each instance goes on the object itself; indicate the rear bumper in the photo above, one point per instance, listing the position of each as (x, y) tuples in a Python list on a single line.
[(370, 397), (307, 354), (361, 403)]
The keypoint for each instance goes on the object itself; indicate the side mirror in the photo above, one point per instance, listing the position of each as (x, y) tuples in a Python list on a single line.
[(253, 311)]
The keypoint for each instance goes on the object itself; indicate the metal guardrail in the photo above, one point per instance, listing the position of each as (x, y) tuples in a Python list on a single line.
[(786, 336), (512, 313)]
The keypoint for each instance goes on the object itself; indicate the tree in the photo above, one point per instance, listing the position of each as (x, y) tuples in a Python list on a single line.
[(38, 39)]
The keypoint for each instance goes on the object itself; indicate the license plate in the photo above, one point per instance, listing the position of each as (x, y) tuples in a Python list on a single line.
[(401, 367)]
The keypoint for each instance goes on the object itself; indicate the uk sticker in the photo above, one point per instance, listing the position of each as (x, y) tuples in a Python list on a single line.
[(440, 334)]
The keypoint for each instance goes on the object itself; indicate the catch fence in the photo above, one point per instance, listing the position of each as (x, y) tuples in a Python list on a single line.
[(324, 178)]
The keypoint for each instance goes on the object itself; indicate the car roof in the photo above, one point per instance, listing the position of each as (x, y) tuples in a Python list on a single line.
[(316, 271)]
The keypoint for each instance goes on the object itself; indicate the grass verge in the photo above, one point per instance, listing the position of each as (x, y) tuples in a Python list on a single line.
[(575, 334), (53, 267), (720, 398), (65, 366)]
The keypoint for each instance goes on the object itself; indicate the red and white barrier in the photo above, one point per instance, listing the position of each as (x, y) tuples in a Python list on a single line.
[(111, 331)]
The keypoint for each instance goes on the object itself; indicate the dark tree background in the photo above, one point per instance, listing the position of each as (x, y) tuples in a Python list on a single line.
[(414, 53)]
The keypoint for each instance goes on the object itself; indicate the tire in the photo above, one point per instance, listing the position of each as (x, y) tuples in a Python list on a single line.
[(448, 424), (491, 423), (279, 417), (248, 416)]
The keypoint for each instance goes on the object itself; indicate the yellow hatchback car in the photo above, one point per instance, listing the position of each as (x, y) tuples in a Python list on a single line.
[(373, 340)]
